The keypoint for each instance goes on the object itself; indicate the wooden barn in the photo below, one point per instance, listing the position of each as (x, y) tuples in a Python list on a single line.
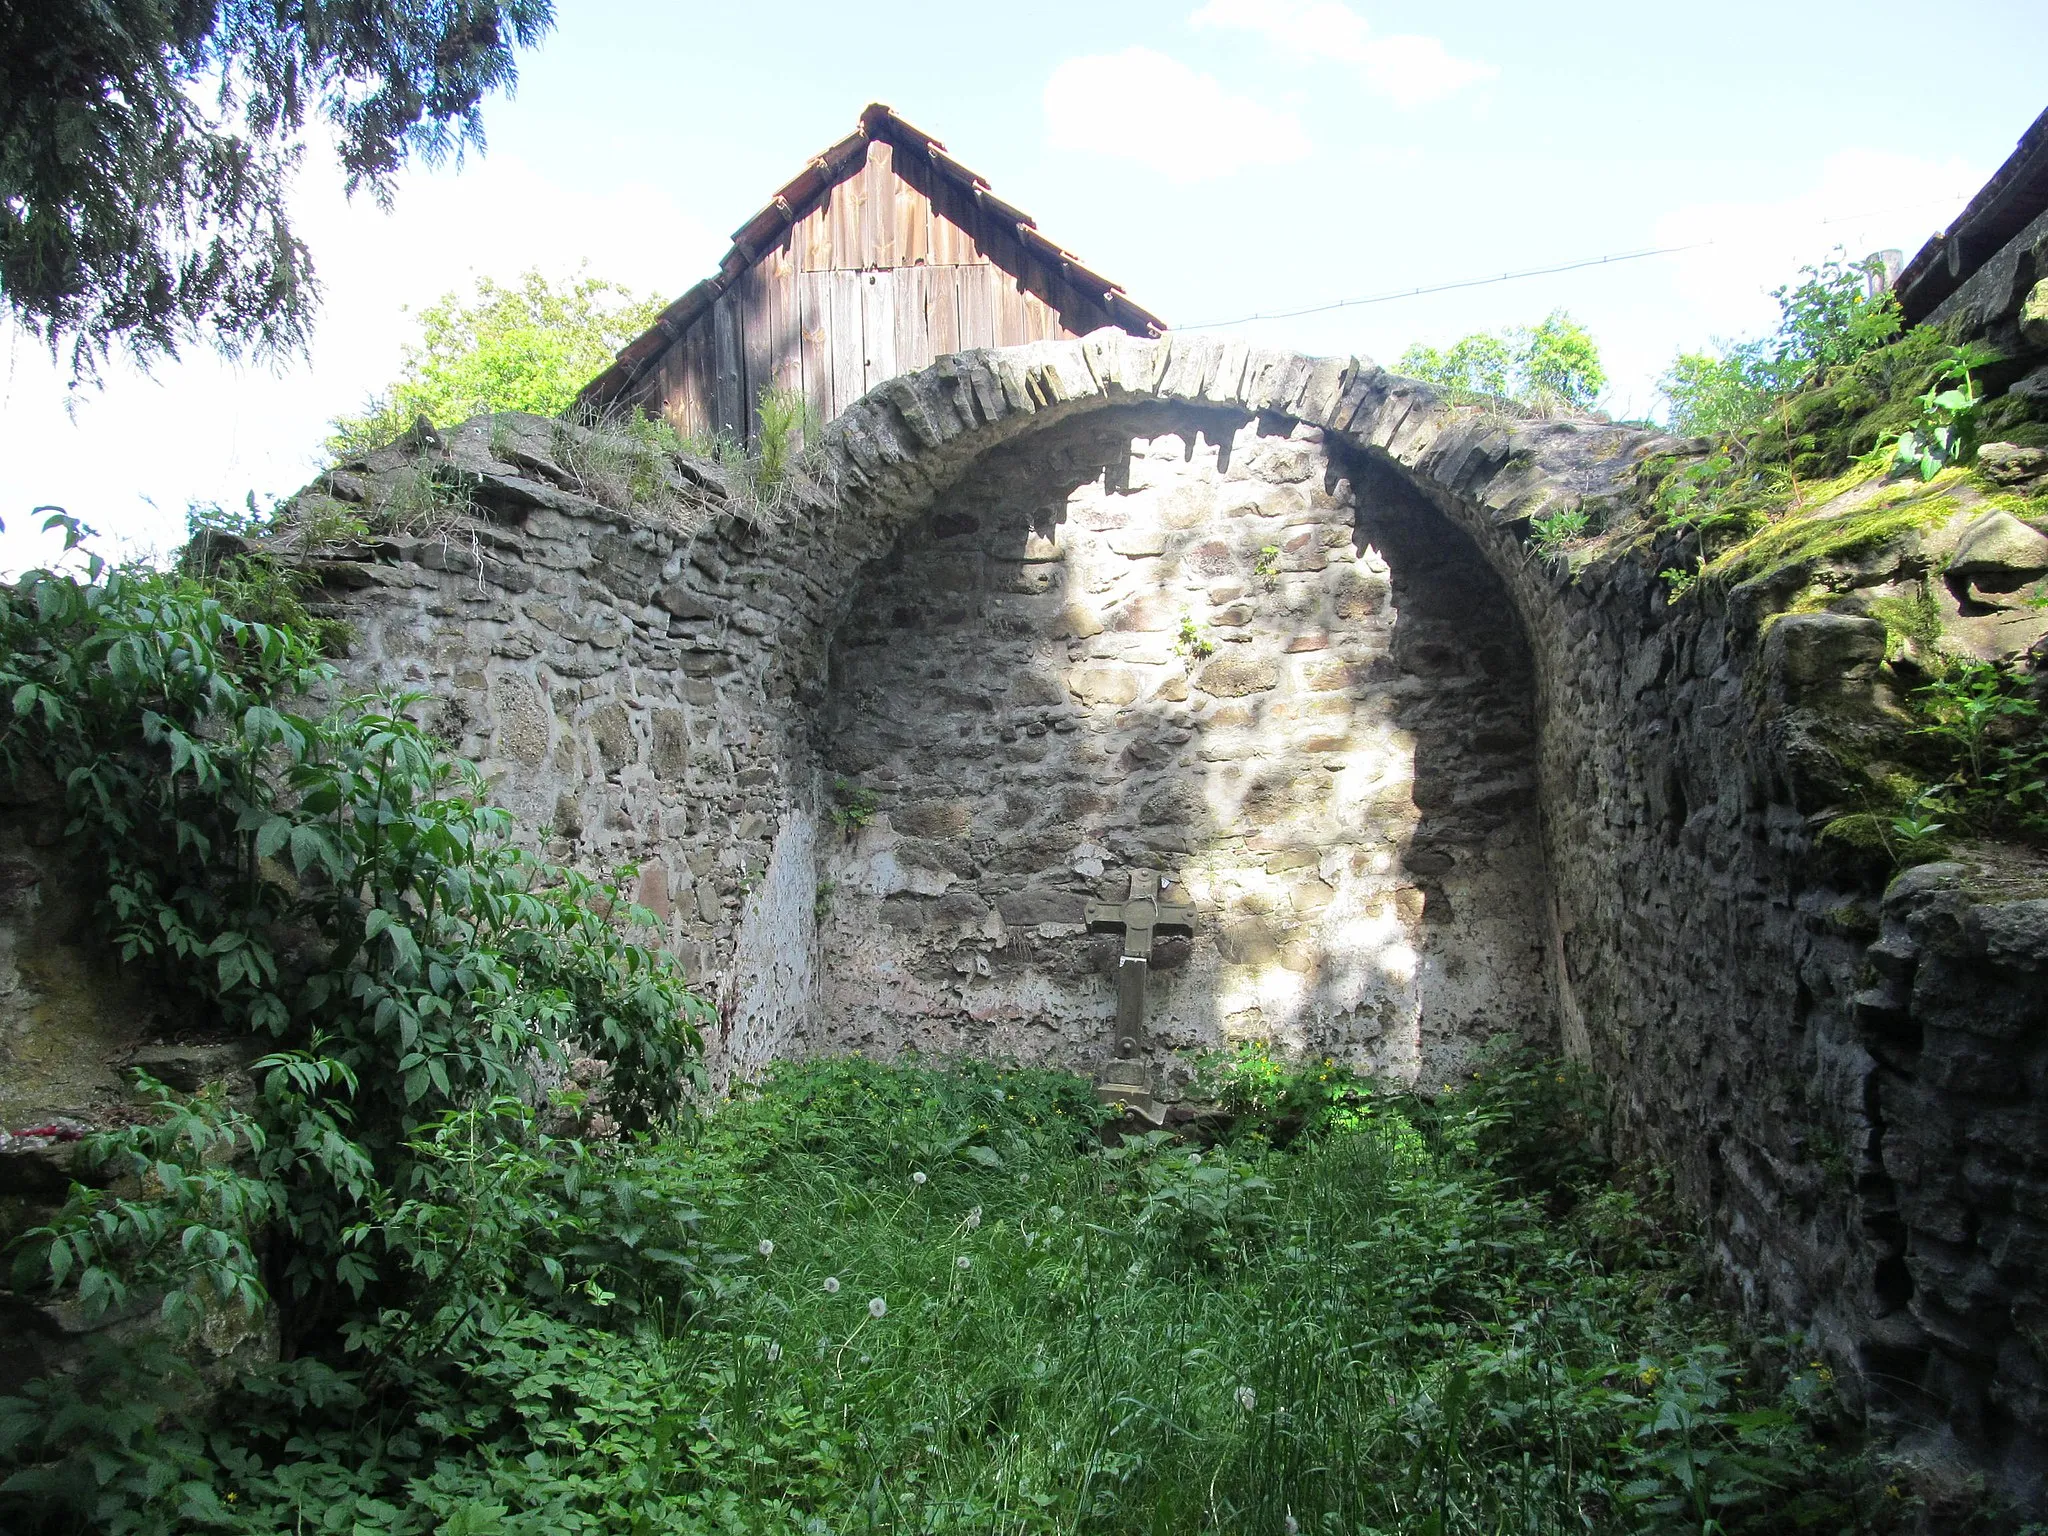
[(883, 254)]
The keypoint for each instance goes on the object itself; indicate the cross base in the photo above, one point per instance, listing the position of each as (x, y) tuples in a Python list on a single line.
[(1127, 1082)]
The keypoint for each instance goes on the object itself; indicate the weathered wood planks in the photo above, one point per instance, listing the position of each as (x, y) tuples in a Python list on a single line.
[(892, 265)]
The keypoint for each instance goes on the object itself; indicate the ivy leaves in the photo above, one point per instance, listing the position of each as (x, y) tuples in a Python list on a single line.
[(332, 881)]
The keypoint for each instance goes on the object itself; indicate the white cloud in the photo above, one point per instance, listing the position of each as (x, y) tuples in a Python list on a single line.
[(1143, 106), (1407, 69)]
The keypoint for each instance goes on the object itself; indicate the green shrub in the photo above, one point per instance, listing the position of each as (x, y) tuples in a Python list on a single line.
[(1824, 323), (333, 884), (529, 347)]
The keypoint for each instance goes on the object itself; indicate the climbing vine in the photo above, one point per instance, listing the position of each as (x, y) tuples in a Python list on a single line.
[(318, 872)]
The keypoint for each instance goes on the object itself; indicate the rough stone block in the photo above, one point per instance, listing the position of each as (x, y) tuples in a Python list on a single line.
[(1817, 652), (1138, 543), (1146, 613), (1103, 684), (1327, 676), (933, 818), (2033, 316), (1230, 677), (1028, 909), (1998, 552)]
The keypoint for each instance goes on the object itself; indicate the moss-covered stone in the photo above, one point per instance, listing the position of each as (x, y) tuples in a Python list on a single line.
[(1836, 529)]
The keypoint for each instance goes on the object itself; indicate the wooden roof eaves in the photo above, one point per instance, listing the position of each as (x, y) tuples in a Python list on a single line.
[(800, 196), (2003, 206)]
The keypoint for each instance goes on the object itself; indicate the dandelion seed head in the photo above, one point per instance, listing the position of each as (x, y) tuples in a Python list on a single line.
[(1194, 1159), (963, 1262), (766, 1246), (1054, 1214), (831, 1285), (1290, 1525), (974, 1218), (1247, 1399), (918, 1177), (878, 1308), (774, 1353)]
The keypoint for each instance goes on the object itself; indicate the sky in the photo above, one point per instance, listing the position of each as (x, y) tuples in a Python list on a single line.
[(1218, 158)]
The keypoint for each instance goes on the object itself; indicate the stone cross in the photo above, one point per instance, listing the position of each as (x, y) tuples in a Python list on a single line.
[(1139, 915)]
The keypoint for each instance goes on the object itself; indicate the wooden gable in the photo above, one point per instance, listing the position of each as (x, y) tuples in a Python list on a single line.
[(881, 256)]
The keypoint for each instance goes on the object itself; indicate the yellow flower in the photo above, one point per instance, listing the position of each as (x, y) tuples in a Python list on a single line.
[(1649, 1377)]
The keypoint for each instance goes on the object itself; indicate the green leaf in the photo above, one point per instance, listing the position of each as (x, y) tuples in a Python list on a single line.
[(271, 836)]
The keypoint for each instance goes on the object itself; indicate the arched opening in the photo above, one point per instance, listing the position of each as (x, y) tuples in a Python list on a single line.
[(1210, 644)]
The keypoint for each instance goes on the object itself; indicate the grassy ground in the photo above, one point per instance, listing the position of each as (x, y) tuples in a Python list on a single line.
[(930, 1300)]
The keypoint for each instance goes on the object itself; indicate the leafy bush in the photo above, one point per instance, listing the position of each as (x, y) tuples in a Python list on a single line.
[(335, 885), (1977, 756), (1824, 323), (1271, 1097), (1551, 367), (529, 347), (1947, 431), (1991, 744)]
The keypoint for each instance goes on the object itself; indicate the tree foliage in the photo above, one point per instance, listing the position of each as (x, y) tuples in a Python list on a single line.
[(1554, 366), (147, 148), (526, 346), (1824, 323)]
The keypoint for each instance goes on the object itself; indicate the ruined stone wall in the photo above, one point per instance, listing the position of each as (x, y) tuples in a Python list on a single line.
[(610, 676), (1179, 640), (1855, 1126)]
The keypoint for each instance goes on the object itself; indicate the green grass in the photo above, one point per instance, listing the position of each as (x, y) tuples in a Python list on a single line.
[(1413, 1317)]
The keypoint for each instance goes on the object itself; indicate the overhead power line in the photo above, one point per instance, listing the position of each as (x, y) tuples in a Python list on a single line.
[(1509, 277)]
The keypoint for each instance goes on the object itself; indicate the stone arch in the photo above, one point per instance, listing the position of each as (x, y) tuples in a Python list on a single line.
[(917, 445), (642, 692)]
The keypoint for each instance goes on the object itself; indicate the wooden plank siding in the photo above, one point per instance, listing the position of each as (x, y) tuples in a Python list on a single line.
[(844, 346), (892, 266), (814, 313)]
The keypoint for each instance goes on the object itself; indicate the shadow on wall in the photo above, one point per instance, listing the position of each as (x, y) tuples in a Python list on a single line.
[(1181, 640)]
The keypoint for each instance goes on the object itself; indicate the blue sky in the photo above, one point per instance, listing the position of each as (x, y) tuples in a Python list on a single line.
[(1217, 157)]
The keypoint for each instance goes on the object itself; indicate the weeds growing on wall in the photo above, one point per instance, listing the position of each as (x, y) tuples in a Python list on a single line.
[(1974, 764), (1552, 534), (631, 461), (930, 1300), (1828, 320), (1908, 412)]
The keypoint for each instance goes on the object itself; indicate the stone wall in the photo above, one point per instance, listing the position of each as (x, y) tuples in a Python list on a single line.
[(1180, 640), (610, 676)]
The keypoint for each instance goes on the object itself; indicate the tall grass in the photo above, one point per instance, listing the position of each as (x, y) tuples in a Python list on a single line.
[(1365, 1331), (931, 1300)]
